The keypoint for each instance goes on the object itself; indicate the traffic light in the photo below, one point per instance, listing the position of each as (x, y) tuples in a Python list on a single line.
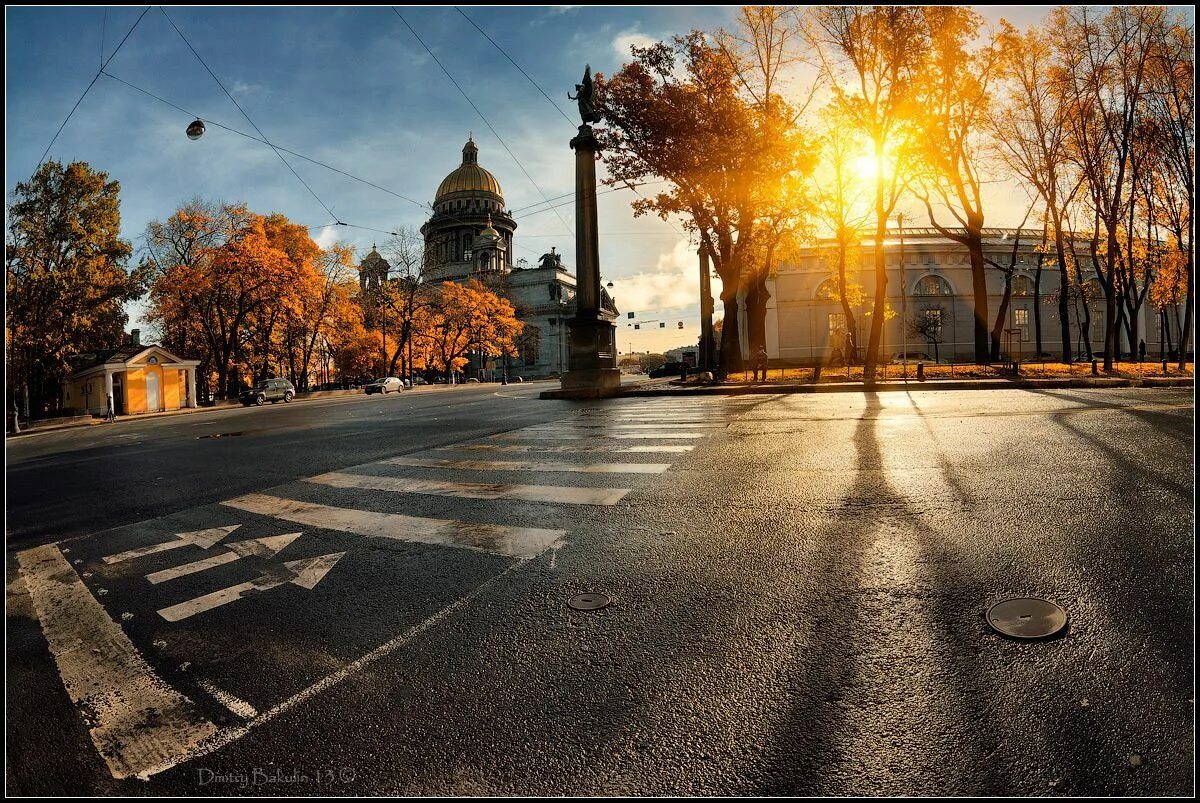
[(662, 324), (637, 326), (631, 315), (681, 324)]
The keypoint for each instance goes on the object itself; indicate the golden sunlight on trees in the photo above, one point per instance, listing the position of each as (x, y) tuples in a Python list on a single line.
[(65, 278), (1091, 113)]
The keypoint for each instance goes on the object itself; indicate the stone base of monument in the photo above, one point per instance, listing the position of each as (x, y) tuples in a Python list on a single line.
[(592, 371)]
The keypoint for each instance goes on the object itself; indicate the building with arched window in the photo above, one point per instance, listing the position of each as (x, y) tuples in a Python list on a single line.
[(930, 302)]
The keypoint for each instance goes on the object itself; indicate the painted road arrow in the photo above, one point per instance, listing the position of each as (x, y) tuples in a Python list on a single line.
[(267, 547), (305, 573), (201, 538)]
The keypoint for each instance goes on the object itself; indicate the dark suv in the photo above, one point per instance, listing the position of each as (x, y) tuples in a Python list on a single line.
[(269, 390), (667, 369)]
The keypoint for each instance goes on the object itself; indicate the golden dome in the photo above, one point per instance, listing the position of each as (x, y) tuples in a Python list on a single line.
[(469, 177)]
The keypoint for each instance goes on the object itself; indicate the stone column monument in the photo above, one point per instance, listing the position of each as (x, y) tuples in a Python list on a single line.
[(592, 362)]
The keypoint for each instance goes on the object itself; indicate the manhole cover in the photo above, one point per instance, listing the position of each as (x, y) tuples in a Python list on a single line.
[(1027, 618), (589, 601), (221, 435)]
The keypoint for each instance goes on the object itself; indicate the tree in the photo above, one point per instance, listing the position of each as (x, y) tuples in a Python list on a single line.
[(927, 324), (871, 57), (1102, 78), (955, 96), (675, 112), (218, 273), (406, 296), (66, 276), (1029, 128)]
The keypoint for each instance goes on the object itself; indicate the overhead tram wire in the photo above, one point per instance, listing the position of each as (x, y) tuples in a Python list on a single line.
[(95, 77), (481, 116), (244, 114), (536, 86), (423, 206)]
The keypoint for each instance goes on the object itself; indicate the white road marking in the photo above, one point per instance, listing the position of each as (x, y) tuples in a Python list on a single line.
[(201, 538), (306, 573), (616, 427), (517, 542), (238, 706), (254, 547), (555, 435), (475, 490), (531, 465), (498, 447), (135, 719)]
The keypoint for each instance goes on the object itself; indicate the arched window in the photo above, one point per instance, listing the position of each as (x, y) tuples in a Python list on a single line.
[(827, 290), (1022, 285), (466, 246), (932, 286)]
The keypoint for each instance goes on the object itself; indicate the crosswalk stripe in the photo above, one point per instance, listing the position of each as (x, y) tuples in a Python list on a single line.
[(637, 426), (517, 542), (559, 494), (136, 721), (614, 448), (566, 436), (531, 465)]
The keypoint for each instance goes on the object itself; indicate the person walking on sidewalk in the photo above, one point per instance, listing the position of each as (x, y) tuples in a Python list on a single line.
[(760, 363)]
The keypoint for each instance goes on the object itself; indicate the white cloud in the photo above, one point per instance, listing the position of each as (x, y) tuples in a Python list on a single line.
[(672, 285), (625, 39), (327, 237)]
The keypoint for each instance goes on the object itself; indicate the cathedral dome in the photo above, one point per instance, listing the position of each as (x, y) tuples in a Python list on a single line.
[(469, 179)]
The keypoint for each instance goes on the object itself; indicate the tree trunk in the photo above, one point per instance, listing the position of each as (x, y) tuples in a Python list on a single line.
[(731, 353), (1001, 315), (1185, 331), (1037, 308), (978, 288), (880, 306), (756, 312), (851, 353)]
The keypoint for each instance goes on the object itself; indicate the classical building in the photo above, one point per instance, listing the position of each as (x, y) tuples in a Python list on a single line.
[(470, 236), (930, 294), (138, 378)]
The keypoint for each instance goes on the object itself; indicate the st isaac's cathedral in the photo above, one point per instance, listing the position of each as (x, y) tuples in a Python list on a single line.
[(470, 236)]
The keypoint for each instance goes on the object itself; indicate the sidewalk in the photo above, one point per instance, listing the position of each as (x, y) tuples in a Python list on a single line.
[(34, 428), (736, 389)]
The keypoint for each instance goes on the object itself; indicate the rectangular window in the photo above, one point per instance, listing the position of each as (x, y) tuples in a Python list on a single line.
[(1021, 316), (837, 326)]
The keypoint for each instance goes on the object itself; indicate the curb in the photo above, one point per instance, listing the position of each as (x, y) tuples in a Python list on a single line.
[(886, 387)]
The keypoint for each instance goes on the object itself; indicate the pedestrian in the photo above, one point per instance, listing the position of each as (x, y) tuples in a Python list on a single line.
[(1142, 351), (760, 363), (683, 371), (111, 415)]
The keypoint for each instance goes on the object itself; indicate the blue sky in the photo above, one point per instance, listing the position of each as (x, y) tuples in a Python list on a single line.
[(351, 87)]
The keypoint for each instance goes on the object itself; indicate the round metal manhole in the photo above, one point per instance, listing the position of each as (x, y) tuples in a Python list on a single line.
[(1027, 618), (589, 601)]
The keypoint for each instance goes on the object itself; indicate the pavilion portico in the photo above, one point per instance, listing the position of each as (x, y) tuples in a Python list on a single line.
[(137, 379)]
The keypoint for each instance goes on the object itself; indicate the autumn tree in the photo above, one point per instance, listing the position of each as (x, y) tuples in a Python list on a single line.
[(678, 111), (871, 57), (406, 297), (1029, 130), (66, 276), (955, 95)]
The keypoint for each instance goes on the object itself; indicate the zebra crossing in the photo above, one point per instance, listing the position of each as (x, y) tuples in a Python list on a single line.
[(177, 635)]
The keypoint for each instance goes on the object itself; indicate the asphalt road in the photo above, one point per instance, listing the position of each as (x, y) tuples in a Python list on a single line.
[(798, 588)]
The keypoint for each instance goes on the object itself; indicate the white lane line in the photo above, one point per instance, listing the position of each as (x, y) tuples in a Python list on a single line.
[(575, 425), (568, 436), (254, 547), (236, 705), (498, 447), (560, 494), (230, 735), (201, 538), (517, 542), (306, 573), (531, 465), (135, 719)]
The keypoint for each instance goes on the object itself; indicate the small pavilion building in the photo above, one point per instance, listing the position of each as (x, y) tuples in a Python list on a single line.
[(139, 379)]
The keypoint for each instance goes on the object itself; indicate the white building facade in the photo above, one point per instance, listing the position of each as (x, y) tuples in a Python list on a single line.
[(930, 301)]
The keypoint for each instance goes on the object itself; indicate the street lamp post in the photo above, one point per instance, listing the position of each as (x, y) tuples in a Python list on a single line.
[(903, 299)]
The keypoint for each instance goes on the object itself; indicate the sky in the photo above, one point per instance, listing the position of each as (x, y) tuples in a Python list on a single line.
[(353, 88)]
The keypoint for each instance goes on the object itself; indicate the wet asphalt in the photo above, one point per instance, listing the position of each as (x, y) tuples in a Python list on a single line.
[(797, 600)]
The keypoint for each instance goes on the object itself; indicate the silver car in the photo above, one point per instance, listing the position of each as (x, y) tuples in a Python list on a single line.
[(385, 385)]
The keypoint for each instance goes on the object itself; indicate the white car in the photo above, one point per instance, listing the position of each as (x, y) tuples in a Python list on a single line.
[(385, 385)]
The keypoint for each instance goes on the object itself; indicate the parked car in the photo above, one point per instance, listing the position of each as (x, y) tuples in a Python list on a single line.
[(913, 356), (386, 384), (419, 380), (270, 390), (667, 369)]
